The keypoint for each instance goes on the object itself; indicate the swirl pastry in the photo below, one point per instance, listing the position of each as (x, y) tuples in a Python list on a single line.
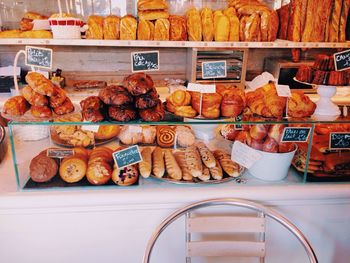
[(165, 136)]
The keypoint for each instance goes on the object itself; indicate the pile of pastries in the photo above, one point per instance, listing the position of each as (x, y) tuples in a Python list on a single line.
[(193, 164), (137, 97), (96, 166), (41, 97), (323, 72), (262, 137), (312, 21)]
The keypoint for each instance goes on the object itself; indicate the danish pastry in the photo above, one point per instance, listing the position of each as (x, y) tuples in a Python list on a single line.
[(99, 173)]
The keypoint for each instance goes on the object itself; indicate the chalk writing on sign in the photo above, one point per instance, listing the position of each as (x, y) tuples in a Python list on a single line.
[(145, 61)]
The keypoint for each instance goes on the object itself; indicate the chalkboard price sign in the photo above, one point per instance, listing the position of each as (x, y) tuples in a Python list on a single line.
[(295, 134), (339, 141), (59, 153), (128, 156), (342, 60), (214, 69), (39, 57), (145, 61)]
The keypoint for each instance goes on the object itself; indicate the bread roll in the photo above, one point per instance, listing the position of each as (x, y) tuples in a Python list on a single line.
[(172, 167), (178, 28), (106, 132), (145, 30), (211, 103), (230, 167), (193, 161), (207, 24), (194, 25), (95, 27), (145, 166), (252, 28), (216, 172), (158, 167), (162, 30), (99, 173), (111, 27), (294, 29), (153, 15), (207, 156), (151, 5), (128, 27), (205, 176), (181, 160), (42, 168), (33, 97)]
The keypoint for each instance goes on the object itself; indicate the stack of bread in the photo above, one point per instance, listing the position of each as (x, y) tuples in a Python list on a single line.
[(310, 21), (41, 96), (103, 27), (195, 163), (323, 72)]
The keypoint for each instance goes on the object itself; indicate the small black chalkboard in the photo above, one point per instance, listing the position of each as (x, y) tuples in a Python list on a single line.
[(39, 57), (145, 61), (295, 134), (214, 69), (342, 60), (339, 141), (59, 153), (128, 156)]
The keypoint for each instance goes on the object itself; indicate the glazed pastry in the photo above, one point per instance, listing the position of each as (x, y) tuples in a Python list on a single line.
[(145, 30), (207, 157), (165, 136), (33, 97), (185, 111), (126, 176), (145, 166), (95, 27), (130, 136), (242, 26), (258, 132), (106, 132), (194, 25), (205, 176), (180, 159), (154, 114), (41, 111), (143, 5), (216, 172), (229, 132), (138, 84), (276, 131), (178, 28), (40, 84), (193, 161), (42, 168), (252, 28), (211, 103), (147, 100), (158, 166), (162, 30), (111, 27), (229, 166), (123, 114), (151, 15), (128, 27), (66, 107), (172, 167), (16, 106), (92, 103), (58, 98), (184, 136), (99, 173), (115, 96), (73, 168), (207, 24), (149, 134), (82, 152)]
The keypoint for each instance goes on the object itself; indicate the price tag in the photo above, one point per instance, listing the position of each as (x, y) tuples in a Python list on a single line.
[(201, 88), (128, 156), (238, 127), (342, 60), (92, 128), (295, 134), (339, 141), (134, 129), (283, 91), (145, 61), (59, 153), (244, 155), (39, 57), (214, 69)]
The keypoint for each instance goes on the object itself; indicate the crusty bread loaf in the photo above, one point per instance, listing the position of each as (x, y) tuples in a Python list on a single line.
[(95, 27), (128, 28), (111, 27), (206, 155), (153, 15), (162, 30), (178, 28), (145, 30), (194, 25), (207, 24)]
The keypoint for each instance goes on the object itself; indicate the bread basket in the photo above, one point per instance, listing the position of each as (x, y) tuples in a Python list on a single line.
[(66, 27)]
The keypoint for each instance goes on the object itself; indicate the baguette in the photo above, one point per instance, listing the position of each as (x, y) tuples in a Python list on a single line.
[(205, 176), (193, 161), (234, 23), (172, 167), (294, 28), (333, 34), (145, 166), (181, 160), (229, 166), (158, 167), (284, 14), (216, 172), (207, 156), (222, 28)]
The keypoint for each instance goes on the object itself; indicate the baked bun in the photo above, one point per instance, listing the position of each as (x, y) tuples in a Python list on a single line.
[(33, 97), (65, 108), (115, 95), (154, 114), (130, 136), (73, 168), (211, 103), (229, 132), (147, 100), (138, 84), (41, 111), (123, 114), (40, 84), (126, 176), (42, 168), (143, 5), (148, 134), (99, 173), (58, 98), (233, 102), (92, 109), (16, 106)]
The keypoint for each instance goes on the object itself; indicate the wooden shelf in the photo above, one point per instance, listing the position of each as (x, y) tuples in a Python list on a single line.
[(171, 44)]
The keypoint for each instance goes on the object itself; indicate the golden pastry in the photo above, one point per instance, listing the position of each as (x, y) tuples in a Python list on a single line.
[(207, 156), (40, 84), (178, 28), (33, 97), (193, 160), (207, 24), (73, 168), (95, 27), (16, 106), (165, 136), (145, 166), (180, 159)]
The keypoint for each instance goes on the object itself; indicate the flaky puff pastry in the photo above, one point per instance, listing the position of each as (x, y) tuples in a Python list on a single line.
[(180, 98), (207, 24), (162, 30), (145, 30), (95, 27), (178, 28), (234, 23), (128, 28), (111, 27), (194, 25)]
